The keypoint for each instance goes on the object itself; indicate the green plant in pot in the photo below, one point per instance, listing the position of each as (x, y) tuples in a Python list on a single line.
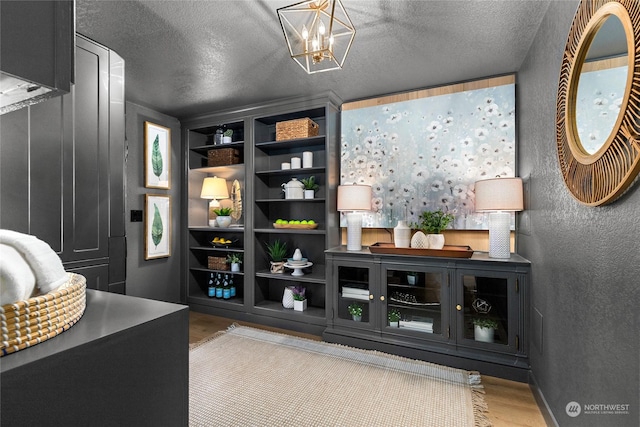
[(223, 216), (355, 310), (277, 252), (235, 260), (394, 317), (310, 187), (431, 224), (484, 328)]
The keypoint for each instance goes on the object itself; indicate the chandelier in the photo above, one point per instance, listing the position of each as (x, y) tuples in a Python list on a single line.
[(319, 34)]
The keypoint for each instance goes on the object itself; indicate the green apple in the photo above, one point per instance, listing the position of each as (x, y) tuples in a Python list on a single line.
[(304, 221), (297, 221), (291, 221), (311, 221)]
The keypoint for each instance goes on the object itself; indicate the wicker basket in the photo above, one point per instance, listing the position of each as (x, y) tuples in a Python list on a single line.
[(29, 322), (217, 263), (300, 128), (223, 157)]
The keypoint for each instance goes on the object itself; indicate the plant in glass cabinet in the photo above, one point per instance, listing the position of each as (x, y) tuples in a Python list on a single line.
[(355, 309), (277, 250), (299, 293), (433, 222), (485, 322), (223, 211), (310, 183), (234, 259), (394, 315)]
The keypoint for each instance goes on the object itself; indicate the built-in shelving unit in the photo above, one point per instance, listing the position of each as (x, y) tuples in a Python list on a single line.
[(259, 299)]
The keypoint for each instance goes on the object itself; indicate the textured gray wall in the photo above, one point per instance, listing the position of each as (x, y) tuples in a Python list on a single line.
[(157, 278), (586, 261)]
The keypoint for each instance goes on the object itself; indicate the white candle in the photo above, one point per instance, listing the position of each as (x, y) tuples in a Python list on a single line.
[(307, 159)]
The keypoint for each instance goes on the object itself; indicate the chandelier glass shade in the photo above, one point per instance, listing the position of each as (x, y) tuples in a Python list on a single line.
[(319, 34)]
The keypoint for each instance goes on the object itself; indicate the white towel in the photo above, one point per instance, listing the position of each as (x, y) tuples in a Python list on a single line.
[(17, 281), (44, 262)]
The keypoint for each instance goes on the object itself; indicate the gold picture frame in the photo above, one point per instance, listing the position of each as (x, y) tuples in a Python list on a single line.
[(157, 156), (157, 226)]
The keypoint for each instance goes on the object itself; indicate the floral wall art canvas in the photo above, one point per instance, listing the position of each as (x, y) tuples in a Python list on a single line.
[(426, 151)]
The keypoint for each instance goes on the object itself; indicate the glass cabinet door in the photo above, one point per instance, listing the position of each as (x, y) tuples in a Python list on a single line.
[(484, 309), (354, 294), (416, 301)]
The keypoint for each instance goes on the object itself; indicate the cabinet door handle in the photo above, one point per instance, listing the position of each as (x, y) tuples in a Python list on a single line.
[(382, 298), (458, 307), (370, 296)]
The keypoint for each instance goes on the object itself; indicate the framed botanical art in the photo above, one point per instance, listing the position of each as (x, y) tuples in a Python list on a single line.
[(157, 156), (157, 226)]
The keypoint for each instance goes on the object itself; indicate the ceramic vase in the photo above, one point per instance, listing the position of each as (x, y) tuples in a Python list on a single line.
[(300, 305), (287, 297), (412, 279), (277, 267), (223, 221), (436, 241), (420, 241), (402, 235), (482, 334), (356, 318), (309, 194), (394, 324), (235, 267)]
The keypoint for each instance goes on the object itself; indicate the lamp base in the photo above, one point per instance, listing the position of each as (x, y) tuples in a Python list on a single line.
[(499, 235), (354, 231)]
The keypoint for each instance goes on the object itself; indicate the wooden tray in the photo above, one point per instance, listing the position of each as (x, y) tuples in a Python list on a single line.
[(449, 251), (299, 226)]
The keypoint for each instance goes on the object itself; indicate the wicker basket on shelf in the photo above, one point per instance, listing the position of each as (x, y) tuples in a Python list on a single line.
[(217, 263), (37, 319), (223, 157), (299, 128)]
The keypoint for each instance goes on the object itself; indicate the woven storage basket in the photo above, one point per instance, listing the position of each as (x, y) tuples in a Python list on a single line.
[(223, 157), (217, 263), (300, 128), (29, 322)]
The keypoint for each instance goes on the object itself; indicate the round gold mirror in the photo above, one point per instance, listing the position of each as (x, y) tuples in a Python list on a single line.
[(598, 114)]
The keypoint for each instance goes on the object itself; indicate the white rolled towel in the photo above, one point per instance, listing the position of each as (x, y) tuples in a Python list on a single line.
[(44, 262), (17, 281)]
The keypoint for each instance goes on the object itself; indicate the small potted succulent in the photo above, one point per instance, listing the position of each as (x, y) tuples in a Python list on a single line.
[(484, 328), (394, 317), (223, 216), (310, 187), (299, 298), (277, 251), (431, 225), (355, 310), (235, 260)]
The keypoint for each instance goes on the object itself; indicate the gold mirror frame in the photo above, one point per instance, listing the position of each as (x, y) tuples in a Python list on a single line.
[(599, 178)]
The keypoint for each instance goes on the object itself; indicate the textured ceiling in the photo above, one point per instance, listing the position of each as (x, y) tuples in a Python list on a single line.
[(186, 58)]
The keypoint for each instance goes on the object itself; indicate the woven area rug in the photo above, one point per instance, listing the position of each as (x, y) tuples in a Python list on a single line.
[(249, 377)]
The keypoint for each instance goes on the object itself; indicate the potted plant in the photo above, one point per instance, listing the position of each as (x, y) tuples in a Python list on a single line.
[(277, 251), (412, 277), (394, 317), (431, 225), (310, 187), (223, 216), (235, 260), (484, 328), (299, 298), (355, 310)]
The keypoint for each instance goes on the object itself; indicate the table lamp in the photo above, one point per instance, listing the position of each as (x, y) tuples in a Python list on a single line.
[(353, 199), (499, 196), (214, 188)]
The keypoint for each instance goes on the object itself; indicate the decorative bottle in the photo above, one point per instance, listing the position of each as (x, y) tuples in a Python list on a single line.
[(226, 291), (402, 235), (232, 287), (219, 289), (211, 292)]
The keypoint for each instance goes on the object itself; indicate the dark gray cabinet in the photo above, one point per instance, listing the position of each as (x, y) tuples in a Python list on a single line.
[(437, 302), (36, 47), (62, 170)]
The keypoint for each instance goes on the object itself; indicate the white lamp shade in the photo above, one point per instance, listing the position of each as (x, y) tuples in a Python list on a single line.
[(214, 188), (354, 197), (499, 194)]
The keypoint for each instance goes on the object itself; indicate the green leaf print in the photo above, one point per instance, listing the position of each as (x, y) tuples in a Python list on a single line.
[(156, 227), (156, 157)]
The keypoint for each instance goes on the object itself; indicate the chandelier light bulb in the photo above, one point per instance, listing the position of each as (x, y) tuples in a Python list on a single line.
[(314, 43), (321, 28), (305, 32)]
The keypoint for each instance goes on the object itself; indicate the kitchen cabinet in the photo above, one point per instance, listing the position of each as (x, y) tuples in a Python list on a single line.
[(62, 170), (437, 300)]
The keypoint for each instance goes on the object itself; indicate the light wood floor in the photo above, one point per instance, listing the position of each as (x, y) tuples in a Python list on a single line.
[(511, 404)]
